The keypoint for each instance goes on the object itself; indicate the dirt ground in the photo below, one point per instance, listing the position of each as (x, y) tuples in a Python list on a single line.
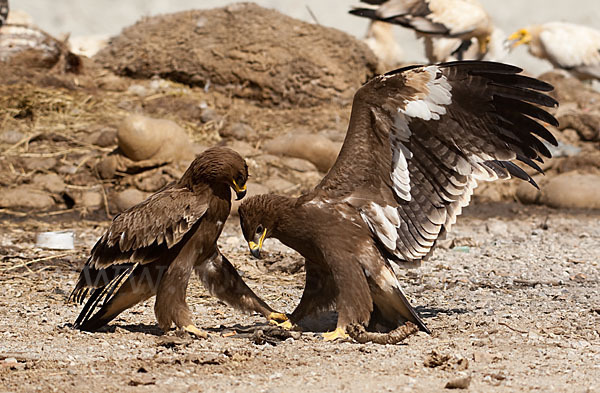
[(513, 300)]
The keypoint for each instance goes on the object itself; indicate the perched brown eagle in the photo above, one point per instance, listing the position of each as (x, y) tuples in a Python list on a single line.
[(465, 20), (152, 248), (418, 141)]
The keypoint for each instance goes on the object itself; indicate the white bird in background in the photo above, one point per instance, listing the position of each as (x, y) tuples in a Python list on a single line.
[(464, 20), (380, 39), (441, 49), (568, 46)]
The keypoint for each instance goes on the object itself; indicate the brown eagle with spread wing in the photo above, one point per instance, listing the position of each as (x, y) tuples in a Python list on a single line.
[(418, 141), (153, 247)]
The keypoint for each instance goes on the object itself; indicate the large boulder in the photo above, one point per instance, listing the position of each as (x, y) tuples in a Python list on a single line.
[(243, 49)]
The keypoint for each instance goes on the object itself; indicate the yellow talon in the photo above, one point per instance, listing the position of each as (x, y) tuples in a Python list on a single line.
[(287, 325), (195, 331), (339, 333), (277, 317)]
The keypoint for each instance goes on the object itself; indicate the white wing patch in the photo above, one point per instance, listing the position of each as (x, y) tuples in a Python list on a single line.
[(429, 108), (383, 222)]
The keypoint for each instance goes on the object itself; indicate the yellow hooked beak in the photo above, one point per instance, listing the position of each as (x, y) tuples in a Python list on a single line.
[(240, 192), (255, 248), (519, 37), (483, 44)]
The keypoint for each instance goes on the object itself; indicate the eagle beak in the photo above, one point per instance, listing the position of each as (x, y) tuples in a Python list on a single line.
[(483, 44), (254, 250), (256, 247), (519, 37), (240, 192)]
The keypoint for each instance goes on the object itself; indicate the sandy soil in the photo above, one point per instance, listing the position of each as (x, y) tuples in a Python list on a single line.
[(512, 299)]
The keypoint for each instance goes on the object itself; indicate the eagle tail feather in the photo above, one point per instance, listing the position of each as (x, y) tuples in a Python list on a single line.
[(408, 312), (83, 321)]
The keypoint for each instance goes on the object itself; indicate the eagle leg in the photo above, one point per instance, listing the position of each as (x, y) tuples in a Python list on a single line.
[(195, 331), (338, 333)]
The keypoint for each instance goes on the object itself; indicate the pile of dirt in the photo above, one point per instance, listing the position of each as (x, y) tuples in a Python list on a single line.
[(245, 50)]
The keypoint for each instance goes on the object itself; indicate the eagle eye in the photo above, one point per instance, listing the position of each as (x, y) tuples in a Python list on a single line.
[(259, 230)]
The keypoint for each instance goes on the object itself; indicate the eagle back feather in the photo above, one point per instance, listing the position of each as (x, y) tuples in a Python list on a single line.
[(421, 137), (158, 223)]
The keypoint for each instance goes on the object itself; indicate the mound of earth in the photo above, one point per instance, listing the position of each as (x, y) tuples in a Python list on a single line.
[(246, 50)]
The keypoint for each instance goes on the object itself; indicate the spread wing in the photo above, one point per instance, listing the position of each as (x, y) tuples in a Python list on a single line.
[(419, 140), (440, 17), (142, 234)]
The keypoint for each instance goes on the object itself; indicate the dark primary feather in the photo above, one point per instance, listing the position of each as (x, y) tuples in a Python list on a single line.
[(493, 117)]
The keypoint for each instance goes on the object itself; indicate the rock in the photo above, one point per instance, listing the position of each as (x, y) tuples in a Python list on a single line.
[(568, 89), (107, 167), (268, 159), (243, 148), (151, 183), (103, 138), (239, 50), (112, 82), (334, 135), (138, 90), (87, 199), (572, 190), (11, 137), (586, 124), (25, 197), (527, 194), (144, 138), (459, 383), (277, 184), (317, 149), (311, 179), (298, 164), (50, 182), (240, 131), (583, 163), (252, 189), (39, 163), (209, 114), (128, 198)]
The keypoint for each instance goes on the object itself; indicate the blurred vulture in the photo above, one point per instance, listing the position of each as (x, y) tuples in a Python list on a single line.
[(380, 39), (439, 50), (419, 140), (461, 19), (3, 11), (568, 46), (153, 247)]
